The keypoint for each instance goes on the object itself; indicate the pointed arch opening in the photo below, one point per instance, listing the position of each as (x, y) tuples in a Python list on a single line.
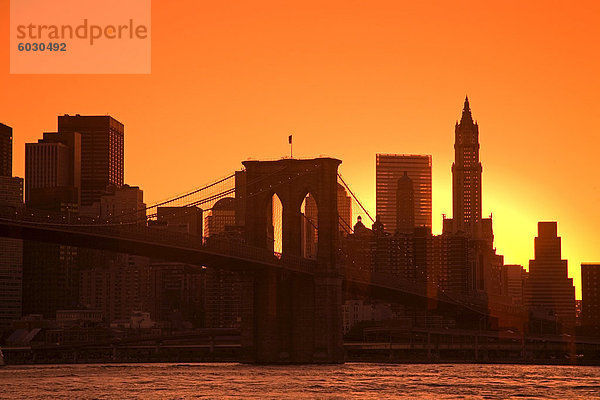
[(275, 225), (310, 226)]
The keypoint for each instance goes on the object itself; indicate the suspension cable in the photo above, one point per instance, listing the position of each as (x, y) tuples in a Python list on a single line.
[(355, 198)]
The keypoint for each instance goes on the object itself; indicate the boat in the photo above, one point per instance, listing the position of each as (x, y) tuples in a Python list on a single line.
[(1, 359)]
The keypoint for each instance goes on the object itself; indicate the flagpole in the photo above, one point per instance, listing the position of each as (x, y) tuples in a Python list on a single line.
[(291, 147)]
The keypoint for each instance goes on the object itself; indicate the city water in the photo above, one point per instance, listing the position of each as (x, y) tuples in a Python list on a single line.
[(349, 381)]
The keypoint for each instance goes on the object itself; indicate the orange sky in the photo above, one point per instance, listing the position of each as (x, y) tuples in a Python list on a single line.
[(231, 80)]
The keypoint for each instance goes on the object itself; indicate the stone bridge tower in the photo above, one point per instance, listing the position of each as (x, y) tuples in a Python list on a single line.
[(289, 317)]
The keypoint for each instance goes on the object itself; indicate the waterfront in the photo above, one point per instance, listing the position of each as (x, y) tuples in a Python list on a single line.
[(352, 380)]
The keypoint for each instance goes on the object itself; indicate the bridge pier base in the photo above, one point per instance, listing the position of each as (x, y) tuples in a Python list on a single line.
[(293, 316), (292, 319)]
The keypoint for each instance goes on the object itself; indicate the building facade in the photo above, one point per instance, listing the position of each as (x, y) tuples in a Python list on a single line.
[(389, 168), (549, 291), (466, 173), (590, 299), (102, 153), (514, 279), (223, 299), (11, 256), (6, 138)]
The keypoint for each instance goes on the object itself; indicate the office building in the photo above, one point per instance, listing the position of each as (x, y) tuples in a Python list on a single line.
[(53, 171), (50, 271), (466, 173), (405, 205), (223, 299), (549, 290), (6, 138), (590, 299), (514, 280), (123, 204), (117, 286), (11, 256), (389, 169), (11, 250), (102, 153)]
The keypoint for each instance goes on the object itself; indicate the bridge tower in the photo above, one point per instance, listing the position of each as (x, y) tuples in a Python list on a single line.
[(289, 317)]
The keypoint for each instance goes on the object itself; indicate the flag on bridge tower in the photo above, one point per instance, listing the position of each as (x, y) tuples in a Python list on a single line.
[(290, 139)]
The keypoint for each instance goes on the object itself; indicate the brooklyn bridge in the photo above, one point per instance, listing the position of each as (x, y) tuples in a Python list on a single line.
[(292, 290)]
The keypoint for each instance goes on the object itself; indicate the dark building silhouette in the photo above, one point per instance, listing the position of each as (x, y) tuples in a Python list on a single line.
[(483, 267), (514, 281), (118, 284), (11, 250), (466, 173), (50, 271), (405, 205), (223, 288), (102, 153), (590, 299), (53, 171), (389, 168), (549, 291), (451, 263), (178, 289), (6, 139)]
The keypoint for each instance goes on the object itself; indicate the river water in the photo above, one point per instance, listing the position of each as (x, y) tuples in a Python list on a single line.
[(349, 381)]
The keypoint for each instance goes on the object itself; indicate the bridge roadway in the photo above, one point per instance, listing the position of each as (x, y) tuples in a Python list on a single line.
[(156, 242)]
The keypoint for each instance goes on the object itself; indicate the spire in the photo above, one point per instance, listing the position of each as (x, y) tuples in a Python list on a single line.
[(466, 113), (405, 177)]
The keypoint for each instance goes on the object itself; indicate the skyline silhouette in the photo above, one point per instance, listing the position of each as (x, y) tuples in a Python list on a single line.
[(384, 78), (501, 243)]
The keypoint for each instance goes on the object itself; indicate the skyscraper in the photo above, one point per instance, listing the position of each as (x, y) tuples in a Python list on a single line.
[(514, 280), (466, 173), (102, 153), (46, 166), (5, 150), (11, 250), (405, 205), (50, 271), (590, 299), (389, 168), (223, 288), (549, 289)]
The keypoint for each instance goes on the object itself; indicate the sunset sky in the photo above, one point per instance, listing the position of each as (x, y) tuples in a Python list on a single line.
[(231, 80)]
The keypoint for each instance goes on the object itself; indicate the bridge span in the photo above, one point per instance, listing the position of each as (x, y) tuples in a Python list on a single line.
[(291, 305)]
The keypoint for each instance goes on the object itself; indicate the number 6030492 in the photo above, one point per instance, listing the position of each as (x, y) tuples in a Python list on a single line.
[(42, 46)]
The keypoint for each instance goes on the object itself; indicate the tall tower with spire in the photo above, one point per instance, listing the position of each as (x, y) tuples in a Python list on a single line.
[(466, 173)]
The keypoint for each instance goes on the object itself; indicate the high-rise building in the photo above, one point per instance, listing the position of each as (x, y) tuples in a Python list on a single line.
[(102, 153), (182, 219), (123, 204), (405, 205), (50, 272), (389, 169), (549, 290), (344, 204), (590, 298), (178, 289), (11, 256), (6, 139), (466, 173), (223, 288), (47, 165), (514, 279), (11, 191), (117, 284)]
